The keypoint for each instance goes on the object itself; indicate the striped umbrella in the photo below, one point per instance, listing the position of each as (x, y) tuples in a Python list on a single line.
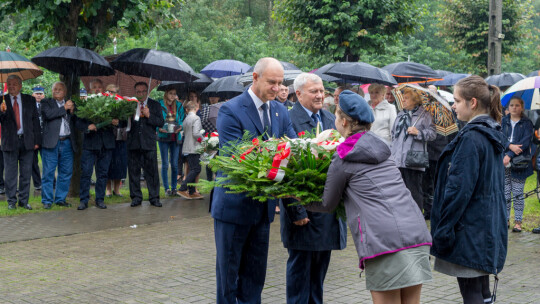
[(528, 90), (443, 118), (14, 64)]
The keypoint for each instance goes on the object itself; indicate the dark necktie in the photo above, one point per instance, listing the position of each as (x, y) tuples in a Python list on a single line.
[(315, 119), (266, 121)]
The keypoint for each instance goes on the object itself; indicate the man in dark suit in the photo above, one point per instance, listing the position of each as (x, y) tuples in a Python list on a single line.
[(242, 225), (38, 92), (58, 146), (98, 146), (20, 137), (141, 144), (309, 237)]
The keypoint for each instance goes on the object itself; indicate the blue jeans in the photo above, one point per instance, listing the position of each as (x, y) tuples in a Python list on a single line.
[(166, 147), (88, 159), (60, 156)]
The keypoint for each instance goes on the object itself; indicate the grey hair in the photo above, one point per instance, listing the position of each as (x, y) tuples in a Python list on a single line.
[(15, 77), (263, 63), (303, 78), (60, 83)]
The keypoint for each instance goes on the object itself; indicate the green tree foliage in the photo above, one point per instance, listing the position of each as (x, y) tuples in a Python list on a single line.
[(342, 29), (465, 25), (88, 23)]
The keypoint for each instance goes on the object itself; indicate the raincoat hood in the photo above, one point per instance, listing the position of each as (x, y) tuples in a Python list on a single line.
[(366, 148), (488, 127)]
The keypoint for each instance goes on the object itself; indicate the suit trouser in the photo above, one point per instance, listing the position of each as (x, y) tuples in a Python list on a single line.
[(242, 253), (413, 182), (1, 170), (102, 159), (306, 271), (36, 175), (428, 185), (147, 161), (18, 162)]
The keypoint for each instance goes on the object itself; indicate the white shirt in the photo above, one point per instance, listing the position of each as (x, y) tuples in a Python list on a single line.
[(19, 102), (63, 131), (258, 103), (385, 116), (513, 123)]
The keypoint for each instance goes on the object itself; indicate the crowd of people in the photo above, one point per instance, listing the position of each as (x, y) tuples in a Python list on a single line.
[(466, 188)]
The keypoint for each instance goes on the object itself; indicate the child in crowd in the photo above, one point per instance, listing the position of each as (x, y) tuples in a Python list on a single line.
[(192, 143)]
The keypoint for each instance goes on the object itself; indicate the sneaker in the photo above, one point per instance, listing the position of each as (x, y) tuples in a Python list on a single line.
[(536, 230), (2, 191), (38, 188), (184, 194), (196, 196), (168, 192)]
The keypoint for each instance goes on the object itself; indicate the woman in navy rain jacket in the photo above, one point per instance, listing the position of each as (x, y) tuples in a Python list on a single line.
[(518, 128), (468, 219)]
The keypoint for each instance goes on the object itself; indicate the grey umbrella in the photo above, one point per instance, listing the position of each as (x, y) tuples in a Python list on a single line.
[(504, 79), (225, 87)]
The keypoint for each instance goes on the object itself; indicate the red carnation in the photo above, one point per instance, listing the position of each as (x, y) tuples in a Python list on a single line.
[(199, 139)]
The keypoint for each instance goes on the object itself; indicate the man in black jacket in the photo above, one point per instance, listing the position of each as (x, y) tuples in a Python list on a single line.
[(141, 144), (20, 137), (58, 146), (98, 146)]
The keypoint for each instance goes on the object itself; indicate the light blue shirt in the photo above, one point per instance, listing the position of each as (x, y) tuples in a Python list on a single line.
[(309, 113), (258, 103)]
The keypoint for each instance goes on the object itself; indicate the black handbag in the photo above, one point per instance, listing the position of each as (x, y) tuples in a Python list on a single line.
[(417, 159), (520, 162)]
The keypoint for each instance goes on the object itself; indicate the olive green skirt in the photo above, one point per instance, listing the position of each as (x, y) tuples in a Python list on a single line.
[(398, 270)]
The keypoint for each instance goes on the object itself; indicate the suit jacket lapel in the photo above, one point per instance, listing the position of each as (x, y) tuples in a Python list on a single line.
[(252, 112), (303, 116)]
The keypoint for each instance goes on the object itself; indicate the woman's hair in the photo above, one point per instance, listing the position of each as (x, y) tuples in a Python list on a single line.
[(414, 95), (355, 125), (488, 96), (113, 87), (190, 105), (376, 87), (521, 102)]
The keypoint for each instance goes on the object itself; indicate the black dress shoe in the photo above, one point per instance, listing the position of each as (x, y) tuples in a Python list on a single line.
[(47, 206), (82, 206), (12, 207), (536, 230), (156, 204), (63, 204), (135, 204), (101, 205)]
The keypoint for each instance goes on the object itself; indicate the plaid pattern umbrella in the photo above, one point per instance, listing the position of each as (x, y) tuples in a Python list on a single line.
[(14, 64), (443, 117)]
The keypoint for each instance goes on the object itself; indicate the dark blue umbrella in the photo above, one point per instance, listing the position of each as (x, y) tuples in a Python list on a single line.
[(410, 72), (534, 73), (287, 66), (504, 79), (443, 73), (361, 72), (225, 87), (450, 79), (226, 67), (183, 86)]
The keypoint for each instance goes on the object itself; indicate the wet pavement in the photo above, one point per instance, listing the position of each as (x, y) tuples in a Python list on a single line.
[(94, 256)]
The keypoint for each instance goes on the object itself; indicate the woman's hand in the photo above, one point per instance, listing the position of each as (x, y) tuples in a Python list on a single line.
[(162, 130), (413, 131), (515, 148), (506, 160), (178, 129)]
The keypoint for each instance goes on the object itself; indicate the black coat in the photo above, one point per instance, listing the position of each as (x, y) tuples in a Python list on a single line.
[(30, 122), (52, 115), (468, 218), (324, 231), (142, 135), (96, 140)]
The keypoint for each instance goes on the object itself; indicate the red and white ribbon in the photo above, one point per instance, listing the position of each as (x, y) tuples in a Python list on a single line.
[(281, 159)]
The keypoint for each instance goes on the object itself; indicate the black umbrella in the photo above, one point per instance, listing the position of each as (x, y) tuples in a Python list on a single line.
[(286, 66), (443, 73), (361, 72), (408, 71), (321, 73), (73, 61), (504, 79), (182, 86), (153, 64), (225, 87)]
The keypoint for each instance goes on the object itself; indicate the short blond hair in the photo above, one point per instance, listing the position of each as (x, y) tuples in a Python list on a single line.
[(376, 87)]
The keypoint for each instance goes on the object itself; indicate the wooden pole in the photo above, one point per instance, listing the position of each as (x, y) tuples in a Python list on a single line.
[(495, 37)]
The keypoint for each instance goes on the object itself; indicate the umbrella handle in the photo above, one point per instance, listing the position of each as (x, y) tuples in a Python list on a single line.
[(148, 90)]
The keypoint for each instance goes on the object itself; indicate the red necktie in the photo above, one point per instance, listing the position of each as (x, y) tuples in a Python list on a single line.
[(16, 112)]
